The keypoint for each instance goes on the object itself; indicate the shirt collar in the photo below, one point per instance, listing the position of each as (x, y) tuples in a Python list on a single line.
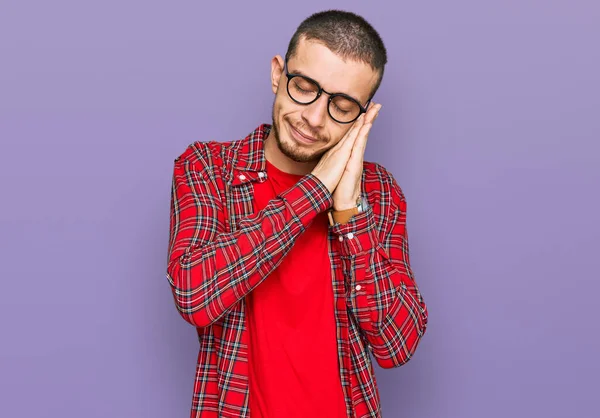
[(249, 157)]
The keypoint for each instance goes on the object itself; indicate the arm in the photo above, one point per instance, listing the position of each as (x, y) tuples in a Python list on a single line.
[(382, 295), (210, 269)]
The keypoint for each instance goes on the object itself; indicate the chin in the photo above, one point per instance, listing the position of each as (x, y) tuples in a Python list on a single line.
[(296, 150)]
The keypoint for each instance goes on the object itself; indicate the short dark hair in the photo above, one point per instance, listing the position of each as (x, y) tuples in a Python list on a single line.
[(346, 34)]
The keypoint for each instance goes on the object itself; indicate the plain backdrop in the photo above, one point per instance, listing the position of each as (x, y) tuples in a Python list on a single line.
[(490, 124)]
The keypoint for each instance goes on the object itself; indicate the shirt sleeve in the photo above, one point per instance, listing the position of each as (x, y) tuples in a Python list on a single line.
[(382, 295), (209, 268)]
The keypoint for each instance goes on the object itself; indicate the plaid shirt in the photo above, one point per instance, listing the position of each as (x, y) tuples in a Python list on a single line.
[(220, 249)]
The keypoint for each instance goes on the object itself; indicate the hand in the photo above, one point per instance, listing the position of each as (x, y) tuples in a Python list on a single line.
[(334, 162), (347, 192)]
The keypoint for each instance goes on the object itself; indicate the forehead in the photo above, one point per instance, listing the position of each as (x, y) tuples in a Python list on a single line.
[(331, 71)]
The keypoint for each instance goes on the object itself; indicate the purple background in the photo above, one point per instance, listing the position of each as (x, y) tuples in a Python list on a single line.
[(490, 124)]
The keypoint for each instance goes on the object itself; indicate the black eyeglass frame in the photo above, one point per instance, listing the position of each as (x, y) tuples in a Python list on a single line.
[(290, 76)]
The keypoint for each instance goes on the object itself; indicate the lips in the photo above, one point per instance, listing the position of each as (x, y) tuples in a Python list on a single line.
[(302, 136)]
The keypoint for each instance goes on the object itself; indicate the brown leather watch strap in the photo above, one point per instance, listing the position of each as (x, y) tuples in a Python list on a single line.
[(341, 216)]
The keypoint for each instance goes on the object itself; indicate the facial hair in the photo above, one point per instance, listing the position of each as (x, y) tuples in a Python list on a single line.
[(289, 150)]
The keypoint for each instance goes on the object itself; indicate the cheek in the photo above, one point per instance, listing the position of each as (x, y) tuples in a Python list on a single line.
[(288, 112), (278, 109), (280, 104)]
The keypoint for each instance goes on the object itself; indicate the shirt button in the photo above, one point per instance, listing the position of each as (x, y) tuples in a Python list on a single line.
[(242, 177), (341, 238), (358, 287), (350, 235), (261, 174)]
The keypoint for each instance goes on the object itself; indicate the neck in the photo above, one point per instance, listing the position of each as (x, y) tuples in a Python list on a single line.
[(274, 155)]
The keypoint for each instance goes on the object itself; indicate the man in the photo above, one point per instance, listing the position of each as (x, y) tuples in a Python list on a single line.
[(287, 252)]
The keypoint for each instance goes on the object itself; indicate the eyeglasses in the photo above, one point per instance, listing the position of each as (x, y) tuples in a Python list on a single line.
[(341, 107)]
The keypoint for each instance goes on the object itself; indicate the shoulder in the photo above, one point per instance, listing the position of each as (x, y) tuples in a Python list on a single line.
[(244, 151), (212, 159), (207, 153)]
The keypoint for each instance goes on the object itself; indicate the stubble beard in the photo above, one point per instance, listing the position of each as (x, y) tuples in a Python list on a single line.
[(292, 151)]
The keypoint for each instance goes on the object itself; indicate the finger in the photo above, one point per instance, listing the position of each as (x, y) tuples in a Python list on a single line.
[(378, 110), (372, 113), (347, 141), (345, 145), (358, 151), (354, 163), (355, 160)]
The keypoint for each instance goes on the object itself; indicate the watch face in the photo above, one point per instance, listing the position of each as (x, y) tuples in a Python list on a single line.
[(364, 204)]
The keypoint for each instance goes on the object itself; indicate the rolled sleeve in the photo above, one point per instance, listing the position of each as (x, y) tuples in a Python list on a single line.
[(358, 236)]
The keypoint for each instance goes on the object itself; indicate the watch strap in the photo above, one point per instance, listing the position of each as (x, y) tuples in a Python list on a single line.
[(341, 216)]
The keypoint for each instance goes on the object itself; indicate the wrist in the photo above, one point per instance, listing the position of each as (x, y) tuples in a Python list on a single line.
[(345, 205), (343, 216)]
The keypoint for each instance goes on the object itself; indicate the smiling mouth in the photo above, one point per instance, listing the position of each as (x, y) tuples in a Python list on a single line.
[(303, 136)]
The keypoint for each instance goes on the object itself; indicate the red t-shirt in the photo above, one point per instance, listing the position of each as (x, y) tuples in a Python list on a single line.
[(293, 359)]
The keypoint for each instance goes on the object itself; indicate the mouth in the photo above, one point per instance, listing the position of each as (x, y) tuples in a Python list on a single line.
[(301, 137)]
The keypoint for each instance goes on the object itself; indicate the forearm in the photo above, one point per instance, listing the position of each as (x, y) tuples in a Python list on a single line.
[(389, 309), (382, 294), (210, 272)]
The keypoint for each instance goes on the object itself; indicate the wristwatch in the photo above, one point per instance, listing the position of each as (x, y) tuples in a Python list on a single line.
[(343, 216)]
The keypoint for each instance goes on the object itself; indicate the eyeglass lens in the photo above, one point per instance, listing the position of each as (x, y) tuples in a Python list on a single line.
[(305, 91)]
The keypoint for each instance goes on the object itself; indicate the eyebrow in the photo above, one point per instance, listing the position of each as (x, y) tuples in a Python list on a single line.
[(300, 72)]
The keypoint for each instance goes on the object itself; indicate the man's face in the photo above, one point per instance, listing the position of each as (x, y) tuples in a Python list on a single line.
[(305, 132)]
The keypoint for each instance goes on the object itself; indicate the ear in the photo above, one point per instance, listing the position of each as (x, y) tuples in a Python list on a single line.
[(277, 66)]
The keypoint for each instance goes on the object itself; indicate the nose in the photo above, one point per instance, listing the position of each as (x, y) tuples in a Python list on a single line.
[(315, 114)]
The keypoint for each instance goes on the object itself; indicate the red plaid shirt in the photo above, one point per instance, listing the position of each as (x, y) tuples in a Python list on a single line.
[(220, 249)]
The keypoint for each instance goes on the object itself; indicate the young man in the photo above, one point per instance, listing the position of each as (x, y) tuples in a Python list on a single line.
[(287, 252)]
